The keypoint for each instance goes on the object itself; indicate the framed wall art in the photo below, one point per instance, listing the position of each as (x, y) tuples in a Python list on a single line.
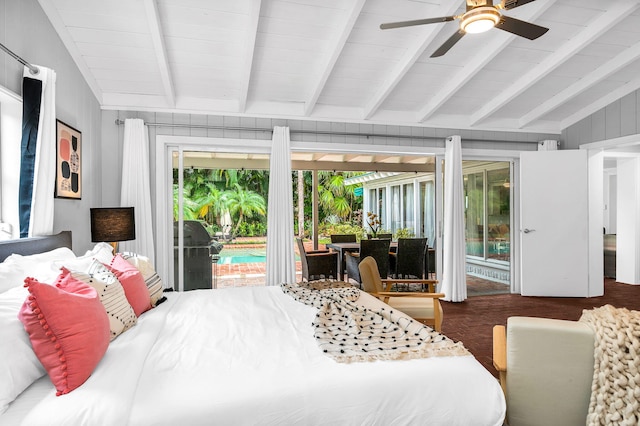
[(68, 162)]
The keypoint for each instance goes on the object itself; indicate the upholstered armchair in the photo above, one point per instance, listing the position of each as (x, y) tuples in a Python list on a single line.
[(546, 370), (317, 264)]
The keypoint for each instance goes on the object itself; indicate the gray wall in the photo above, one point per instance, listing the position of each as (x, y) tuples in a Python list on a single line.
[(25, 29), (620, 118)]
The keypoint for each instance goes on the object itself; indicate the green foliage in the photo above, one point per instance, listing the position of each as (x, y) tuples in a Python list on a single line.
[(404, 233), (208, 194), (252, 229), (327, 229)]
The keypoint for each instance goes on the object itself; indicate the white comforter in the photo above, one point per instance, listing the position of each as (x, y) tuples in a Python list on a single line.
[(247, 356)]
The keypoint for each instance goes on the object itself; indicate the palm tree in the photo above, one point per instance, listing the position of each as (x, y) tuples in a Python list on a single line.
[(244, 202), (335, 197)]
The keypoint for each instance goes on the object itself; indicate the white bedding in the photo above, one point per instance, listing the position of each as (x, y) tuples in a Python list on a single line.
[(247, 356)]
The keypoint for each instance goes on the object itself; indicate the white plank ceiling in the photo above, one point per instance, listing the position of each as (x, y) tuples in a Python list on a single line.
[(329, 60)]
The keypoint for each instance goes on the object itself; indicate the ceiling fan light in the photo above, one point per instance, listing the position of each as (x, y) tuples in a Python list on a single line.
[(479, 20)]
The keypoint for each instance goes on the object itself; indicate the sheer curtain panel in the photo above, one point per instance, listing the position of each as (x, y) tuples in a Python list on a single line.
[(281, 266), (38, 153), (454, 280), (136, 190)]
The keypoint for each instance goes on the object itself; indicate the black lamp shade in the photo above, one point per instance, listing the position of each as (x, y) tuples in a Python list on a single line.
[(112, 224)]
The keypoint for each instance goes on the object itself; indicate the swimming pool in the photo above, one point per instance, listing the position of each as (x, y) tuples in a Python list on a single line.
[(232, 256), (229, 256)]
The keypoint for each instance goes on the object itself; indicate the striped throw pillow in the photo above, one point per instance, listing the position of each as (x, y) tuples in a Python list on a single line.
[(111, 294), (151, 277)]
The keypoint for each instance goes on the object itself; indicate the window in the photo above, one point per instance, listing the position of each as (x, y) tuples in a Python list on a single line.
[(498, 214), (487, 212), (10, 135), (474, 213), (408, 206)]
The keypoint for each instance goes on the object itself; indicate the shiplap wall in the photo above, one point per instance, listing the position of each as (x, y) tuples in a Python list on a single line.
[(25, 29), (620, 118)]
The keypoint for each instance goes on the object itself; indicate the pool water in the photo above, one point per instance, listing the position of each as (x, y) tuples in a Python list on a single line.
[(231, 256), (242, 255)]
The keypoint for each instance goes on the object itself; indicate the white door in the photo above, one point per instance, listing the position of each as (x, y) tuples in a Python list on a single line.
[(554, 211)]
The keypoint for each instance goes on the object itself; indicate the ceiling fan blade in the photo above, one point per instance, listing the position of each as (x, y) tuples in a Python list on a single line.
[(416, 22), (448, 44), (512, 4), (521, 28)]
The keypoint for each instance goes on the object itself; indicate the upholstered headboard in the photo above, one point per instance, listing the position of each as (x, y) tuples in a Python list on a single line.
[(33, 245)]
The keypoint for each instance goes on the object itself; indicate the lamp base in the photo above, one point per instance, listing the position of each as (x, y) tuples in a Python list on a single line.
[(115, 247)]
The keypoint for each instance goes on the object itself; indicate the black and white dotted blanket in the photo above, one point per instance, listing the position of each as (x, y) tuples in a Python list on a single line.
[(349, 332)]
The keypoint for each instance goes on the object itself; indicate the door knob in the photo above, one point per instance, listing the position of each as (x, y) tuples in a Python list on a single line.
[(527, 230)]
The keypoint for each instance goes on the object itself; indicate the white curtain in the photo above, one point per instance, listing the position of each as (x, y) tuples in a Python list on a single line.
[(281, 266), (136, 190), (37, 179), (454, 284), (548, 145)]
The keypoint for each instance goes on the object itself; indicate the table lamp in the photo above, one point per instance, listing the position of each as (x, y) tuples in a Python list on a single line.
[(112, 224)]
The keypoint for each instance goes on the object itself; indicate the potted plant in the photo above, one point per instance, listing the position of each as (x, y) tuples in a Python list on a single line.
[(374, 224)]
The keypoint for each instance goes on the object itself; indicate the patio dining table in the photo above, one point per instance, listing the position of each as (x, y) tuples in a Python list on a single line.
[(343, 248)]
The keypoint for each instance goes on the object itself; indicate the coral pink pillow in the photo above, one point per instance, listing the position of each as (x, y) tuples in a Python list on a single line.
[(133, 283), (68, 328)]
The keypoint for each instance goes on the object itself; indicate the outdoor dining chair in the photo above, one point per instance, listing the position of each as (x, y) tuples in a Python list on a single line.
[(378, 249), (409, 259), (343, 238), (317, 264)]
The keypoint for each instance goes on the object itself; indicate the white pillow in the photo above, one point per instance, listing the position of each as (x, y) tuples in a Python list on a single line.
[(41, 266), (11, 275), (19, 365), (102, 252)]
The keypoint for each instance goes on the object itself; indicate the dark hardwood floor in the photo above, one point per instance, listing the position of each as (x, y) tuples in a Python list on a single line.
[(472, 321)]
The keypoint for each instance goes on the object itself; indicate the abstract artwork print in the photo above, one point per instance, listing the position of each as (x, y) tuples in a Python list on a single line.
[(68, 161)]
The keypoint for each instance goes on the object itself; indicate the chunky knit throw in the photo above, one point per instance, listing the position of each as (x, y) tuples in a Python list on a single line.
[(348, 332), (615, 392)]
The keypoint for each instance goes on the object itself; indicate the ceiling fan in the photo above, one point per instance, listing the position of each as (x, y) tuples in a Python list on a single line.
[(481, 16)]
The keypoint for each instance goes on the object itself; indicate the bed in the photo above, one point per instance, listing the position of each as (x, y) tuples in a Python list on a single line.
[(247, 356)]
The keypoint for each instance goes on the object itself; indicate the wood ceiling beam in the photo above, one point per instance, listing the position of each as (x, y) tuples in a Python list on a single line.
[(58, 24), (479, 61), (623, 59), (340, 41), (252, 32), (617, 12), (602, 102), (410, 57), (157, 37)]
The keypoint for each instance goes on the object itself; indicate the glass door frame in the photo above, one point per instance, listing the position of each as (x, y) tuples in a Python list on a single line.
[(513, 157), (166, 146)]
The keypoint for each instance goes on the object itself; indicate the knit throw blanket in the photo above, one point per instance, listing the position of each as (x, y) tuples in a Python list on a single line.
[(348, 332), (615, 392)]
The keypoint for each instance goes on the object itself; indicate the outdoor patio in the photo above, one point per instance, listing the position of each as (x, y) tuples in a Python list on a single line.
[(253, 274)]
